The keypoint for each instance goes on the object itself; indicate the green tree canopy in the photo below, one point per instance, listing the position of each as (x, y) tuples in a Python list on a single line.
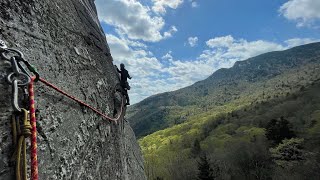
[(278, 130)]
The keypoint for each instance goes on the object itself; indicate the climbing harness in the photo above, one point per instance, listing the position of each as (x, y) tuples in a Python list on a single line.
[(20, 79)]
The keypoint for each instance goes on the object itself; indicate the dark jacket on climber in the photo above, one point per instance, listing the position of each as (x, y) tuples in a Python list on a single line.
[(123, 81)]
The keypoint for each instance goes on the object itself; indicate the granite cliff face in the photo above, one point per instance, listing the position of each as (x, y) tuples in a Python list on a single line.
[(64, 40)]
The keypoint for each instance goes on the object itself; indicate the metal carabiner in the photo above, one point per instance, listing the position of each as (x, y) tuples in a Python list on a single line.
[(16, 74), (15, 98), (13, 76), (14, 65), (10, 50), (30, 68)]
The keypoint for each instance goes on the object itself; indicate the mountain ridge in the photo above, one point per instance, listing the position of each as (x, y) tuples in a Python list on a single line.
[(239, 76)]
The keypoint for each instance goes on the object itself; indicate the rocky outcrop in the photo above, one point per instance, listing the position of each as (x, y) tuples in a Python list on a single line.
[(64, 40)]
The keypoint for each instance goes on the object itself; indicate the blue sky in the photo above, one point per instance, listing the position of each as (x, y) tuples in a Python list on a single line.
[(170, 44)]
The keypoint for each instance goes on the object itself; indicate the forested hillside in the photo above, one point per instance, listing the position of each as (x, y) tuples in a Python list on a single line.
[(259, 119), (253, 77)]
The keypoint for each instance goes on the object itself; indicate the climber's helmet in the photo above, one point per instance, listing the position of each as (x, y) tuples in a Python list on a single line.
[(121, 66)]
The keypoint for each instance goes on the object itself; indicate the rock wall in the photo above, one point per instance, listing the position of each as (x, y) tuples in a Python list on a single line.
[(64, 40)]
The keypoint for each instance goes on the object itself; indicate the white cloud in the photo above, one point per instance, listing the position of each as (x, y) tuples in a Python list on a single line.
[(241, 49), (300, 41), (194, 4), (185, 73), (152, 76), (304, 12), (161, 5), (133, 19), (169, 33), (168, 56), (224, 41), (139, 60), (140, 63), (193, 41), (223, 52)]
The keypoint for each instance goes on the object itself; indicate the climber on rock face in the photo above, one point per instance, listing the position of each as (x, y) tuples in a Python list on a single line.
[(123, 81)]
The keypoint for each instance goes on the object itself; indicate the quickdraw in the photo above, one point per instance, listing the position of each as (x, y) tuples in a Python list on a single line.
[(19, 78)]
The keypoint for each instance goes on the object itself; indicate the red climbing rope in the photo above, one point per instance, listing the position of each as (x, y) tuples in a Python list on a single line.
[(34, 157), (81, 102), (13, 78)]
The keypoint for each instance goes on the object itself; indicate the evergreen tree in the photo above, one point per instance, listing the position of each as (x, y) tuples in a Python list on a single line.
[(205, 171)]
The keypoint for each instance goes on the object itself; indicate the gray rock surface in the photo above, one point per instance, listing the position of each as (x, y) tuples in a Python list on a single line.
[(64, 40)]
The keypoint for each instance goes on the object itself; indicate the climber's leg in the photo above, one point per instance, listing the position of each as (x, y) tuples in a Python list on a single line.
[(127, 97)]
